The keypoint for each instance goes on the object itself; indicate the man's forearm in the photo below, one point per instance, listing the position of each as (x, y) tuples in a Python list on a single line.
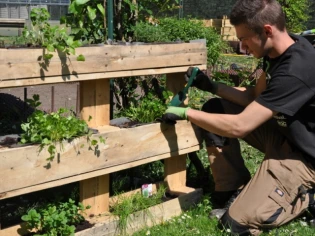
[(238, 95)]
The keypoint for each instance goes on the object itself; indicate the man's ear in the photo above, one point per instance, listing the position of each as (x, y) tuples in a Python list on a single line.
[(268, 30)]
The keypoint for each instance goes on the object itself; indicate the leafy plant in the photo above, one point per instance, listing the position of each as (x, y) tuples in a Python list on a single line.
[(146, 109), (126, 205), (172, 29), (86, 19), (129, 13), (49, 129), (53, 38), (55, 218), (297, 13)]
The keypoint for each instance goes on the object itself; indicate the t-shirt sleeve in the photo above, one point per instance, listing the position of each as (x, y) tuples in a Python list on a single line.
[(285, 94)]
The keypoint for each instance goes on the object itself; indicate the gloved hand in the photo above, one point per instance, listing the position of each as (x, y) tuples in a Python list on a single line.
[(202, 81), (172, 114)]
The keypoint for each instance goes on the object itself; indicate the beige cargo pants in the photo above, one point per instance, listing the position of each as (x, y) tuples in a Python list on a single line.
[(277, 193)]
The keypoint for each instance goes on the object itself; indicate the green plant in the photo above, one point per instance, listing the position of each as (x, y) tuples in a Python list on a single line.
[(53, 38), (172, 29), (86, 19), (55, 218), (297, 13), (126, 205), (129, 13), (48, 129), (146, 109)]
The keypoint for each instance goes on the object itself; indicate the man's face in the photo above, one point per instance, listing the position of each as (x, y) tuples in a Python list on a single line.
[(254, 43)]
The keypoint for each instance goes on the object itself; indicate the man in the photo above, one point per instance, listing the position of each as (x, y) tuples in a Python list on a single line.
[(277, 117)]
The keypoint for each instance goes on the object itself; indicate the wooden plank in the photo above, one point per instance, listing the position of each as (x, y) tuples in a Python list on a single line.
[(19, 229), (94, 192), (228, 30), (16, 65), (96, 173), (175, 167), (24, 167), (109, 225), (95, 102), (229, 38), (92, 76)]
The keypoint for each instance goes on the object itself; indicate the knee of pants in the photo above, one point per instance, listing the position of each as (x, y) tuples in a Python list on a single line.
[(213, 105), (227, 222)]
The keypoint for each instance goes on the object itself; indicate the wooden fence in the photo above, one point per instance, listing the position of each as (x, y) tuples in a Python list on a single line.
[(22, 170)]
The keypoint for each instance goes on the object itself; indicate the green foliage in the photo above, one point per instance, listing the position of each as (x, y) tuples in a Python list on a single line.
[(53, 38), (129, 13), (48, 129), (171, 29), (146, 109), (126, 205), (86, 19), (55, 218), (297, 14)]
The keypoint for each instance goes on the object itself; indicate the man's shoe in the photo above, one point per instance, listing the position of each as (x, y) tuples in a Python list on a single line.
[(220, 198), (219, 212), (311, 205)]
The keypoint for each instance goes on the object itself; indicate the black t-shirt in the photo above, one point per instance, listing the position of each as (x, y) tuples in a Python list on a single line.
[(291, 92)]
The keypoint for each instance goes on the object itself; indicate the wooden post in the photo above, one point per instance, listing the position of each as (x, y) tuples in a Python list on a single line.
[(175, 167), (95, 103)]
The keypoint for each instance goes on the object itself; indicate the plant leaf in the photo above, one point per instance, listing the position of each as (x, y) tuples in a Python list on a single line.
[(80, 58), (91, 13), (81, 2), (101, 9)]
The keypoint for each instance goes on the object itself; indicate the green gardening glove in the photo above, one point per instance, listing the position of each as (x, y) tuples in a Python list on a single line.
[(172, 114)]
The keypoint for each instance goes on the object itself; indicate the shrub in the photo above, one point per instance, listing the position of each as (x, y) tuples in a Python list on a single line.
[(171, 29)]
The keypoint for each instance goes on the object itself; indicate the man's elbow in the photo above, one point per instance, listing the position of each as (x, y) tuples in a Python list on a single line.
[(240, 131)]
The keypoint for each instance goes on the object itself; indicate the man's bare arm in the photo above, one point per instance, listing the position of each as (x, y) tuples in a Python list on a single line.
[(234, 126)]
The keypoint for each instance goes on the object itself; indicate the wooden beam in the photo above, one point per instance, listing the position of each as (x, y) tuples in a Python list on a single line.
[(95, 103), (108, 58), (94, 192), (175, 167), (75, 178), (91, 76)]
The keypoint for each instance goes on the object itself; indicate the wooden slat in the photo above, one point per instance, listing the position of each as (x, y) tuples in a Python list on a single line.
[(28, 63), (175, 167), (92, 76), (24, 167), (75, 178), (95, 102), (94, 192)]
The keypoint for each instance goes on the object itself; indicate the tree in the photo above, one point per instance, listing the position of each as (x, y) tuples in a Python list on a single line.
[(297, 13)]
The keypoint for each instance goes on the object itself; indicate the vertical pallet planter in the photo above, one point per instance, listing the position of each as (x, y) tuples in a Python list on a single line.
[(22, 170)]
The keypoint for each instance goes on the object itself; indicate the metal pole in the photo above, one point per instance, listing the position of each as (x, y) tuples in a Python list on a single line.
[(181, 9), (110, 33), (110, 19)]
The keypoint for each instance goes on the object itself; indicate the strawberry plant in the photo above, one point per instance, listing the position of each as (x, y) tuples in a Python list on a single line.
[(47, 129), (55, 218)]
